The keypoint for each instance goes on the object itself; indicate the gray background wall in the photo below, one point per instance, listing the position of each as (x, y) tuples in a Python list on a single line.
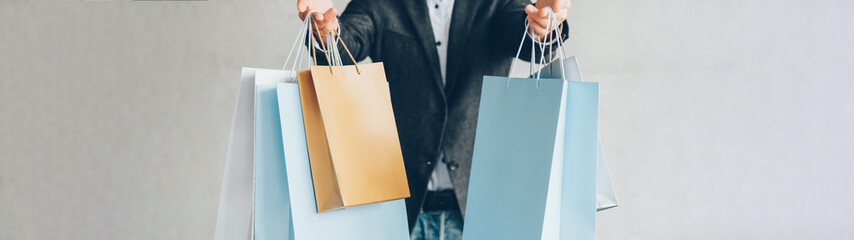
[(721, 119)]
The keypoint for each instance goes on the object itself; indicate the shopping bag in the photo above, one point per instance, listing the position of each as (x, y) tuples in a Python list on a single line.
[(352, 138), (605, 196), (534, 162), (383, 220), (521, 133), (272, 206)]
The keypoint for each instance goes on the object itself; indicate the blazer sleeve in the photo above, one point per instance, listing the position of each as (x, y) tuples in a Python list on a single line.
[(356, 26), (508, 27)]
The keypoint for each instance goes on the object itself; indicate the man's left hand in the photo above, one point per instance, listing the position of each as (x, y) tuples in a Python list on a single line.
[(538, 16)]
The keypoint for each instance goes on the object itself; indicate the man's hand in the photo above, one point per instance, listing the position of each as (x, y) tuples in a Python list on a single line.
[(538, 16), (326, 22)]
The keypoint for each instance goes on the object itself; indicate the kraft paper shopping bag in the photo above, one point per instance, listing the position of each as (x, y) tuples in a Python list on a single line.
[(327, 193), (352, 137)]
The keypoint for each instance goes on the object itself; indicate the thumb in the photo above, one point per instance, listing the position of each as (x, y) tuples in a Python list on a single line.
[(530, 9)]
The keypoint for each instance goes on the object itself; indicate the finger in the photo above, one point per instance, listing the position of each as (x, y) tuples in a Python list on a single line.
[(331, 13), (302, 5), (530, 9), (544, 12), (324, 28), (321, 36), (325, 22), (540, 31), (542, 22), (303, 13), (318, 17), (334, 25), (323, 33), (535, 35), (533, 22), (302, 8), (329, 28), (537, 14), (329, 16), (563, 11)]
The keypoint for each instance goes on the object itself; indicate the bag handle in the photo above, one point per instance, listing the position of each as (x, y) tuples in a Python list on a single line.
[(293, 46), (560, 48), (326, 51), (305, 32), (542, 61)]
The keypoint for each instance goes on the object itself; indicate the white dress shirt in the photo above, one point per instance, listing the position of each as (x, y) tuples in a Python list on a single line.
[(440, 19)]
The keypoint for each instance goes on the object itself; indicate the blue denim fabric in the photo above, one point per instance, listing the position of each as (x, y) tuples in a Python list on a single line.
[(438, 225)]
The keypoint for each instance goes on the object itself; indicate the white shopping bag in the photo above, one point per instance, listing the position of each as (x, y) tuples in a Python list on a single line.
[(234, 218)]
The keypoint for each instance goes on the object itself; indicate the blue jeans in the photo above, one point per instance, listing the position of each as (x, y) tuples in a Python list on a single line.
[(438, 225)]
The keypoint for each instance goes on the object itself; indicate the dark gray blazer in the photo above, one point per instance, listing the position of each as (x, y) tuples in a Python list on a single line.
[(430, 117)]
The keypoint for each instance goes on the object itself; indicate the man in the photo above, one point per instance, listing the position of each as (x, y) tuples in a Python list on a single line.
[(435, 54)]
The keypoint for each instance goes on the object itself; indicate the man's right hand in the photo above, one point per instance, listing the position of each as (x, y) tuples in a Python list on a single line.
[(326, 22)]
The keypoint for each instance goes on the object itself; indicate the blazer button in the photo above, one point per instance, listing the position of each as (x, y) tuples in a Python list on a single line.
[(453, 165), (429, 163)]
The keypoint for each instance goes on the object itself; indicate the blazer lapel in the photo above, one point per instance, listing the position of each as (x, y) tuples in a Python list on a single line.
[(461, 21), (421, 21)]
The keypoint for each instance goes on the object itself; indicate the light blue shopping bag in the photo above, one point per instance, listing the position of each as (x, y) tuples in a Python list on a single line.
[(521, 132), (272, 200), (534, 165), (380, 221), (606, 198)]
